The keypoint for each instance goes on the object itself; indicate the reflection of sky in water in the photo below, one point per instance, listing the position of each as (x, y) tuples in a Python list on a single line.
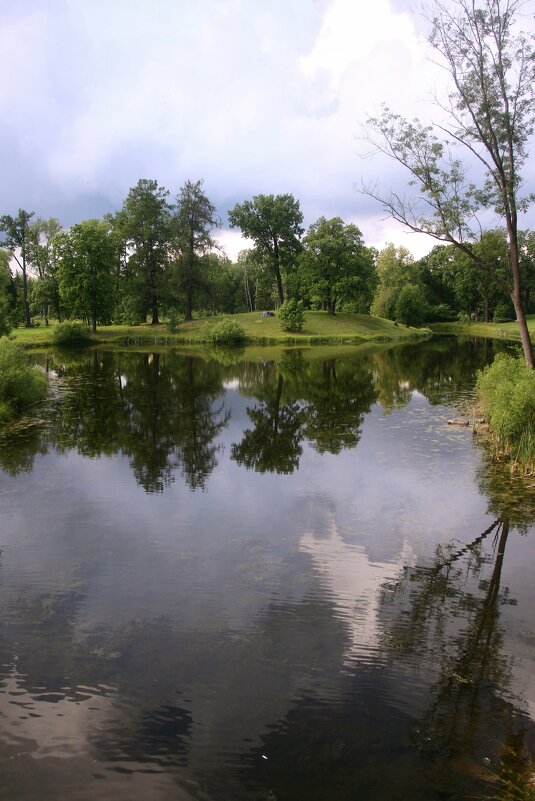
[(172, 632)]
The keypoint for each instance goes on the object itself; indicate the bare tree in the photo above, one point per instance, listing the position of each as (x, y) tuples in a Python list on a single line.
[(489, 116)]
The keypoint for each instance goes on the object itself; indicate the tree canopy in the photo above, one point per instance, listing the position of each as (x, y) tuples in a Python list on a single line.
[(489, 116), (273, 222)]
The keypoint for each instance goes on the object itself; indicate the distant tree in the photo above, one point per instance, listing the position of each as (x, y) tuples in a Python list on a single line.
[(144, 227), (15, 238), (395, 268), (195, 217), (273, 222), (89, 258), (489, 115), (335, 263), (43, 257), (5, 293), (410, 305)]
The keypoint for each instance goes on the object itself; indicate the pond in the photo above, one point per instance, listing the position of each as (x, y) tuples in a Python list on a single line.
[(263, 579)]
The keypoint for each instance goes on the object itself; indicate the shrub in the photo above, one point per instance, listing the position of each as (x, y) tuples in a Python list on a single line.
[(441, 313), (291, 315), (20, 383), (506, 390), (70, 333), (225, 332)]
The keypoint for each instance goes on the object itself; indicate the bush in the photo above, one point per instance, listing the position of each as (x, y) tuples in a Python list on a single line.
[(503, 313), (506, 391), (20, 383), (225, 332), (441, 313), (291, 315), (70, 333)]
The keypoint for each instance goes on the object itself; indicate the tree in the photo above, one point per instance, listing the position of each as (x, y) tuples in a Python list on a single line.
[(395, 268), (15, 230), (89, 256), (490, 115), (43, 256), (194, 219), (5, 289), (335, 263), (273, 222), (144, 225)]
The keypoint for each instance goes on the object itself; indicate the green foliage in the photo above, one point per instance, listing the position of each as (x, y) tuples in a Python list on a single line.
[(225, 332), (194, 218), (173, 318), (70, 332), (87, 276), (273, 222), (292, 315), (335, 267), (20, 383), (507, 394), (410, 306), (395, 269)]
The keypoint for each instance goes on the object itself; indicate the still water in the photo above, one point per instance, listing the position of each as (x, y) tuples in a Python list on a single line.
[(277, 579)]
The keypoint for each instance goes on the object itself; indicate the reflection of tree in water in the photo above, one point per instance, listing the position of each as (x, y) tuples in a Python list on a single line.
[(322, 402), (336, 402), (441, 369), (445, 619), (155, 408), (19, 445), (274, 443)]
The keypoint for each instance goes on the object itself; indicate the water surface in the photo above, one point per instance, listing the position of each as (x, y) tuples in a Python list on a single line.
[(274, 579)]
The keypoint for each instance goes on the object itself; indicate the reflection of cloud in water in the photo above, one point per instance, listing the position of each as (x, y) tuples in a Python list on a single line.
[(52, 724), (354, 586)]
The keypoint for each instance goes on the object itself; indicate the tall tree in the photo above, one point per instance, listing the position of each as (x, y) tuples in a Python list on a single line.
[(16, 230), (335, 263), (42, 255), (273, 222), (144, 225), (89, 256), (490, 115), (194, 219)]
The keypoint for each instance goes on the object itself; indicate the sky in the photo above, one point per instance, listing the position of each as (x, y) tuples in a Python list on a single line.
[(252, 96)]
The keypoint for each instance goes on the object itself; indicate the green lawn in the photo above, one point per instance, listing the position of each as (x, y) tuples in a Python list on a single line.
[(319, 328), (492, 330)]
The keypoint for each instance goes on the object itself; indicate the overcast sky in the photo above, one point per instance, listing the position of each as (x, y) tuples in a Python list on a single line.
[(253, 96)]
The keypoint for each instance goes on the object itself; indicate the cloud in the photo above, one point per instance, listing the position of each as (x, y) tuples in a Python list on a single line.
[(254, 98)]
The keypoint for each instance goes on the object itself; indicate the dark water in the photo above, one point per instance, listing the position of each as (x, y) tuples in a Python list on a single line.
[(264, 580)]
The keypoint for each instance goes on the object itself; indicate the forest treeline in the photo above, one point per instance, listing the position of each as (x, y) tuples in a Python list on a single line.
[(157, 257)]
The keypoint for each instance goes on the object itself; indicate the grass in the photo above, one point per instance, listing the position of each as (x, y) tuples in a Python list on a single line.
[(319, 328), (491, 330)]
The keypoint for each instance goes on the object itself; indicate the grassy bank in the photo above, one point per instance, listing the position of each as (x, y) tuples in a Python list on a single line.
[(506, 390), (319, 328), (491, 330)]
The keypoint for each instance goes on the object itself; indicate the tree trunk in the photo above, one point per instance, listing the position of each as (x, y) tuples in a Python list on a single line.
[(27, 318), (94, 322), (280, 289), (523, 328), (155, 320), (516, 294)]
